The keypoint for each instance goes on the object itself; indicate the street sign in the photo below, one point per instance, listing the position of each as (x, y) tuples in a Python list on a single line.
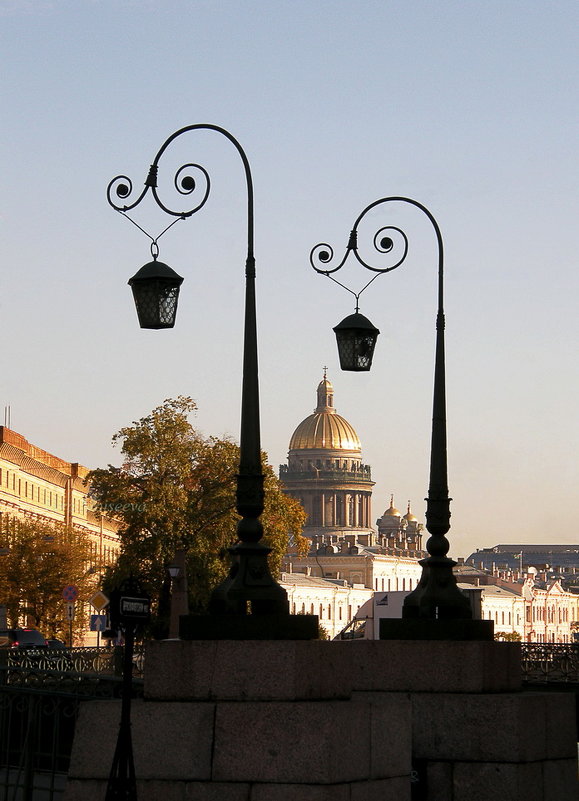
[(99, 600), (70, 593), (70, 610), (98, 622), (129, 605), (134, 608)]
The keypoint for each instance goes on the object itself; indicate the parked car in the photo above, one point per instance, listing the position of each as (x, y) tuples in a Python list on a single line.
[(22, 638), (54, 643)]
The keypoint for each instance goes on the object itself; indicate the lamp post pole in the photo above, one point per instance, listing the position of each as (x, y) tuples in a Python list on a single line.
[(437, 596), (250, 584), (179, 600)]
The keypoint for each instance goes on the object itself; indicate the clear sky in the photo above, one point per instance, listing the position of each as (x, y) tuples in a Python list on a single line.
[(468, 106)]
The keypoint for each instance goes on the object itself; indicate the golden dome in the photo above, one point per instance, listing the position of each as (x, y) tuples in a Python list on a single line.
[(409, 516), (325, 429), (392, 511)]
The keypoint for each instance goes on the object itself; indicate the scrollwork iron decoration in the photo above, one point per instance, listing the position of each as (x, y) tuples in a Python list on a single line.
[(437, 595), (323, 254)]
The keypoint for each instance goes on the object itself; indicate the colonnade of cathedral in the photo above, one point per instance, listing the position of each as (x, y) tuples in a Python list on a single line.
[(335, 508)]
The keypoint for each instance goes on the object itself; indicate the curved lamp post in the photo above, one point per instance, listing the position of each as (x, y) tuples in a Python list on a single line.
[(437, 596), (156, 289)]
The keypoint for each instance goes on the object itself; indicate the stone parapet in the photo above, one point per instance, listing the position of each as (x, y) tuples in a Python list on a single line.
[(334, 721), (283, 670), (298, 748)]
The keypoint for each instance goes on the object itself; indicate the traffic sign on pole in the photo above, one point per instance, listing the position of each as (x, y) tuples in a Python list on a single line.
[(98, 622), (99, 600), (70, 593), (70, 610)]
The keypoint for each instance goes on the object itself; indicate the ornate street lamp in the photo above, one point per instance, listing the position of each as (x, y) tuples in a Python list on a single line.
[(156, 287), (156, 292), (437, 596)]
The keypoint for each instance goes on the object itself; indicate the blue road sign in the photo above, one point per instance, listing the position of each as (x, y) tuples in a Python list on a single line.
[(98, 622)]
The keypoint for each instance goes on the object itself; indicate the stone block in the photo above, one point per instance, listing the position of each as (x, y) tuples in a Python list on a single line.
[(215, 791), (505, 781), (390, 732), (561, 725), (502, 727), (84, 790), (395, 789), (561, 782), (300, 792), (302, 742), (239, 670), (170, 740), (160, 790), (438, 781), (426, 666)]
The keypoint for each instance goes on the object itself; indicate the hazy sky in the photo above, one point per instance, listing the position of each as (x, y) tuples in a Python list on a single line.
[(470, 107)]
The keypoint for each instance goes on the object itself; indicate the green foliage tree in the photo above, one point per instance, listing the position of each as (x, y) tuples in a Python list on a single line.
[(508, 636), (40, 559), (176, 489)]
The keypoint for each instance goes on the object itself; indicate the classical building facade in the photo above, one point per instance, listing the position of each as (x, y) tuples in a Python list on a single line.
[(326, 474), (530, 603), (334, 601), (36, 485)]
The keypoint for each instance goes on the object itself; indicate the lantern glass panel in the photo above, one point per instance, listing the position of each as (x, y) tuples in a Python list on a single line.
[(356, 349), (156, 302)]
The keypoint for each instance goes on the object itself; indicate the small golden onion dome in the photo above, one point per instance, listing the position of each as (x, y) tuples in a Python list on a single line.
[(392, 511), (325, 429), (409, 516)]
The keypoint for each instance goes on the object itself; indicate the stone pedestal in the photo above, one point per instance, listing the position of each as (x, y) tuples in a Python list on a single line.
[(334, 721)]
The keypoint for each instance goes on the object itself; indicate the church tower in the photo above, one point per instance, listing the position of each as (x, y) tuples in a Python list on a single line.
[(325, 473)]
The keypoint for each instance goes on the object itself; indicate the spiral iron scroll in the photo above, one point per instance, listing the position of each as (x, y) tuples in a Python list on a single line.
[(323, 254), (185, 183)]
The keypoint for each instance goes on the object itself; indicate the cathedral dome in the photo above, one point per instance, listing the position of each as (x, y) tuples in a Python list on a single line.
[(325, 429), (409, 516)]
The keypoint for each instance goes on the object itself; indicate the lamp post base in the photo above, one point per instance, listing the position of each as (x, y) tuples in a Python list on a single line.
[(424, 629)]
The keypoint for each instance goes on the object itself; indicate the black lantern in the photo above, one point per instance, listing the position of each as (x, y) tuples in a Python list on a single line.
[(356, 337), (156, 292)]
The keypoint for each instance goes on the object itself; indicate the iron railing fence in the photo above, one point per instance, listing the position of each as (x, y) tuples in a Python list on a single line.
[(550, 663), (107, 661), (36, 732), (38, 712)]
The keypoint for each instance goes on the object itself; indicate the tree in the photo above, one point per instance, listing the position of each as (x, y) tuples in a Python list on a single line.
[(42, 558), (176, 489), (508, 636)]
